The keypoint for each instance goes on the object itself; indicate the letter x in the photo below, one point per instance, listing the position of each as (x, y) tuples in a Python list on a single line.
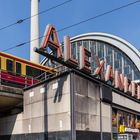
[(98, 70)]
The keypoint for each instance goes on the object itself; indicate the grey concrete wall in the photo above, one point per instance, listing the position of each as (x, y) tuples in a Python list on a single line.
[(11, 125), (125, 102), (87, 107), (58, 102), (33, 115), (46, 108), (31, 120), (106, 117), (10, 97)]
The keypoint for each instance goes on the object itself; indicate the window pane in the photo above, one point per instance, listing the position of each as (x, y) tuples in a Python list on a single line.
[(79, 44), (128, 67), (9, 64), (109, 55), (93, 54), (73, 51), (86, 44), (118, 60), (18, 68), (100, 49), (30, 71), (136, 74)]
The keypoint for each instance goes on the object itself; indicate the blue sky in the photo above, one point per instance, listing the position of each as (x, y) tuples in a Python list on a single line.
[(124, 23)]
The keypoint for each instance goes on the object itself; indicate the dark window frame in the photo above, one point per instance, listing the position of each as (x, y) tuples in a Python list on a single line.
[(32, 72), (10, 65), (18, 68)]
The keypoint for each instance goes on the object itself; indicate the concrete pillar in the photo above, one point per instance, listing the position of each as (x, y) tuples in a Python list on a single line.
[(34, 57)]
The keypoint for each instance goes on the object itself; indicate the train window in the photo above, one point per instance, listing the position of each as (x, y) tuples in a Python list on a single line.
[(30, 71), (18, 68), (9, 65)]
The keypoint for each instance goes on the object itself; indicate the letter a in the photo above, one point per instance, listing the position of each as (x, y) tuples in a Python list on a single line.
[(50, 40)]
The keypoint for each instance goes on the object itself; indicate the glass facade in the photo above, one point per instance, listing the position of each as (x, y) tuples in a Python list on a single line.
[(112, 56), (118, 60), (73, 51), (128, 67), (125, 124), (109, 55)]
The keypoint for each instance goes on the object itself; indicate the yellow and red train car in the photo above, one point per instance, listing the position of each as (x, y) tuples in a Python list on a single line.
[(20, 71)]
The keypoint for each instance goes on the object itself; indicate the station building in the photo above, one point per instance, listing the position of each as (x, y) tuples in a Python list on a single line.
[(122, 56), (75, 105)]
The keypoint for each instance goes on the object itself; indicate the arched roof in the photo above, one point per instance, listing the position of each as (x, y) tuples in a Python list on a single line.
[(117, 42)]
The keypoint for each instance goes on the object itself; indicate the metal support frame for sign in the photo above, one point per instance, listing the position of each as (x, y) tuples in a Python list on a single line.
[(52, 57)]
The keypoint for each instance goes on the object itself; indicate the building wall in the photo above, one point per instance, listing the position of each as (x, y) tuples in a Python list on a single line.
[(125, 102), (87, 108), (11, 125), (33, 113), (91, 116), (46, 111), (68, 107), (58, 102)]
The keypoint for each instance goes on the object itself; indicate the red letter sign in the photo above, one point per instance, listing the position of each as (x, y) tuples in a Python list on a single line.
[(109, 74), (98, 70), (67, 52), (84, 59), (51, 40)]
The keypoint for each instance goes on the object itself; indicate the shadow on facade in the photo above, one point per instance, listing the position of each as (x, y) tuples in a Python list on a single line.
[(57, 98)]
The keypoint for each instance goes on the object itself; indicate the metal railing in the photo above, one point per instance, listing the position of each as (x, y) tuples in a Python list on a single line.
[(8, 78), (15, 79), (44, 76)]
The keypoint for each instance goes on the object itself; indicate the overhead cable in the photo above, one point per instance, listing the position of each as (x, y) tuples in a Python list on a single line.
[(76, 24), (27, 18)]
